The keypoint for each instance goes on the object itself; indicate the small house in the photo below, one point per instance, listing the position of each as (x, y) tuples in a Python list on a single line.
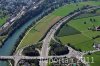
[(96, 46), (98, 28)]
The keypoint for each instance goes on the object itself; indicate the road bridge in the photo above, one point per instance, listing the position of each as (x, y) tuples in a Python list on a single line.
[(46, 42), (16, 59), (50, 34)]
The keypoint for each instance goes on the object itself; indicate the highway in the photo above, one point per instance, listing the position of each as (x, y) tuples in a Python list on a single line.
[(46, 42), (47, 39), (72, 53), (50, 34)]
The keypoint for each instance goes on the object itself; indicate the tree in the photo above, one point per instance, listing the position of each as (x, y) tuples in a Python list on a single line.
[(58, 49), (94, 20), (61, 50), (84, 22), (30, 51), (91, 19)]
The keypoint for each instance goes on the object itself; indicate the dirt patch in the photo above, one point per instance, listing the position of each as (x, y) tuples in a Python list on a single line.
[(54, 20)]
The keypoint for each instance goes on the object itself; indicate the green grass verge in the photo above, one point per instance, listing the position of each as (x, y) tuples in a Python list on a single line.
[(3, 20), (35, 33)]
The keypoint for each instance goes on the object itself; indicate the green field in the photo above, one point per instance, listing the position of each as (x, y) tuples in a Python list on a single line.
[(3, 20), (83, 40), (37, 31), (96, 59), (67, 30), (91, 13)]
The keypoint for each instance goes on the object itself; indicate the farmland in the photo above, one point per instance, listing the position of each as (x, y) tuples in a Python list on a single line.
[(37, 31), (83, 40)]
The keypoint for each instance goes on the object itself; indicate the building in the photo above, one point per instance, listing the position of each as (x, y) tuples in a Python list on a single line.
[(98, 28), (96, 46)]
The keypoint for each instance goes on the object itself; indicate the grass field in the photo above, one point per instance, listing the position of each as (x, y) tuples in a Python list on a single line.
[(83, 40), (89, 14), (3, 20), (96, 59), (37, 31), (67, 30)]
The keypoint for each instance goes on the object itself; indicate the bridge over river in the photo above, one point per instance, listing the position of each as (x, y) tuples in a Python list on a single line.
[(47, 39), (16, 59)]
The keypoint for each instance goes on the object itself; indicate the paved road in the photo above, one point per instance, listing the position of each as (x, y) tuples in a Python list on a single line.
[(46, 42), (72, 53), (50, 34)]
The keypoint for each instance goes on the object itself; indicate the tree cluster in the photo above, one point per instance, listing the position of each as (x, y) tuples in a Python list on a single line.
[(30, 51), (58, 49)]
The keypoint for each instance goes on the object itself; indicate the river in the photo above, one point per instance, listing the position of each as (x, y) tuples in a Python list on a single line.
[(8, 46)]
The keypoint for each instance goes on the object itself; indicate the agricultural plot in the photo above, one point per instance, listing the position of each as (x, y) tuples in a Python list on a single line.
[(84, 40), (37, 31), (67, 30), (91, 13)]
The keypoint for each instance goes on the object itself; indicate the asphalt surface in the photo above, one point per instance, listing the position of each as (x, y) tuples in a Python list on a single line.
[(46, 42), (50, 34)]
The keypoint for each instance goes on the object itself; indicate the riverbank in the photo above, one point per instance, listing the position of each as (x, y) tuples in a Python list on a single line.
[(49, 10), (10, 43), (2, 39), (38, 31)]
